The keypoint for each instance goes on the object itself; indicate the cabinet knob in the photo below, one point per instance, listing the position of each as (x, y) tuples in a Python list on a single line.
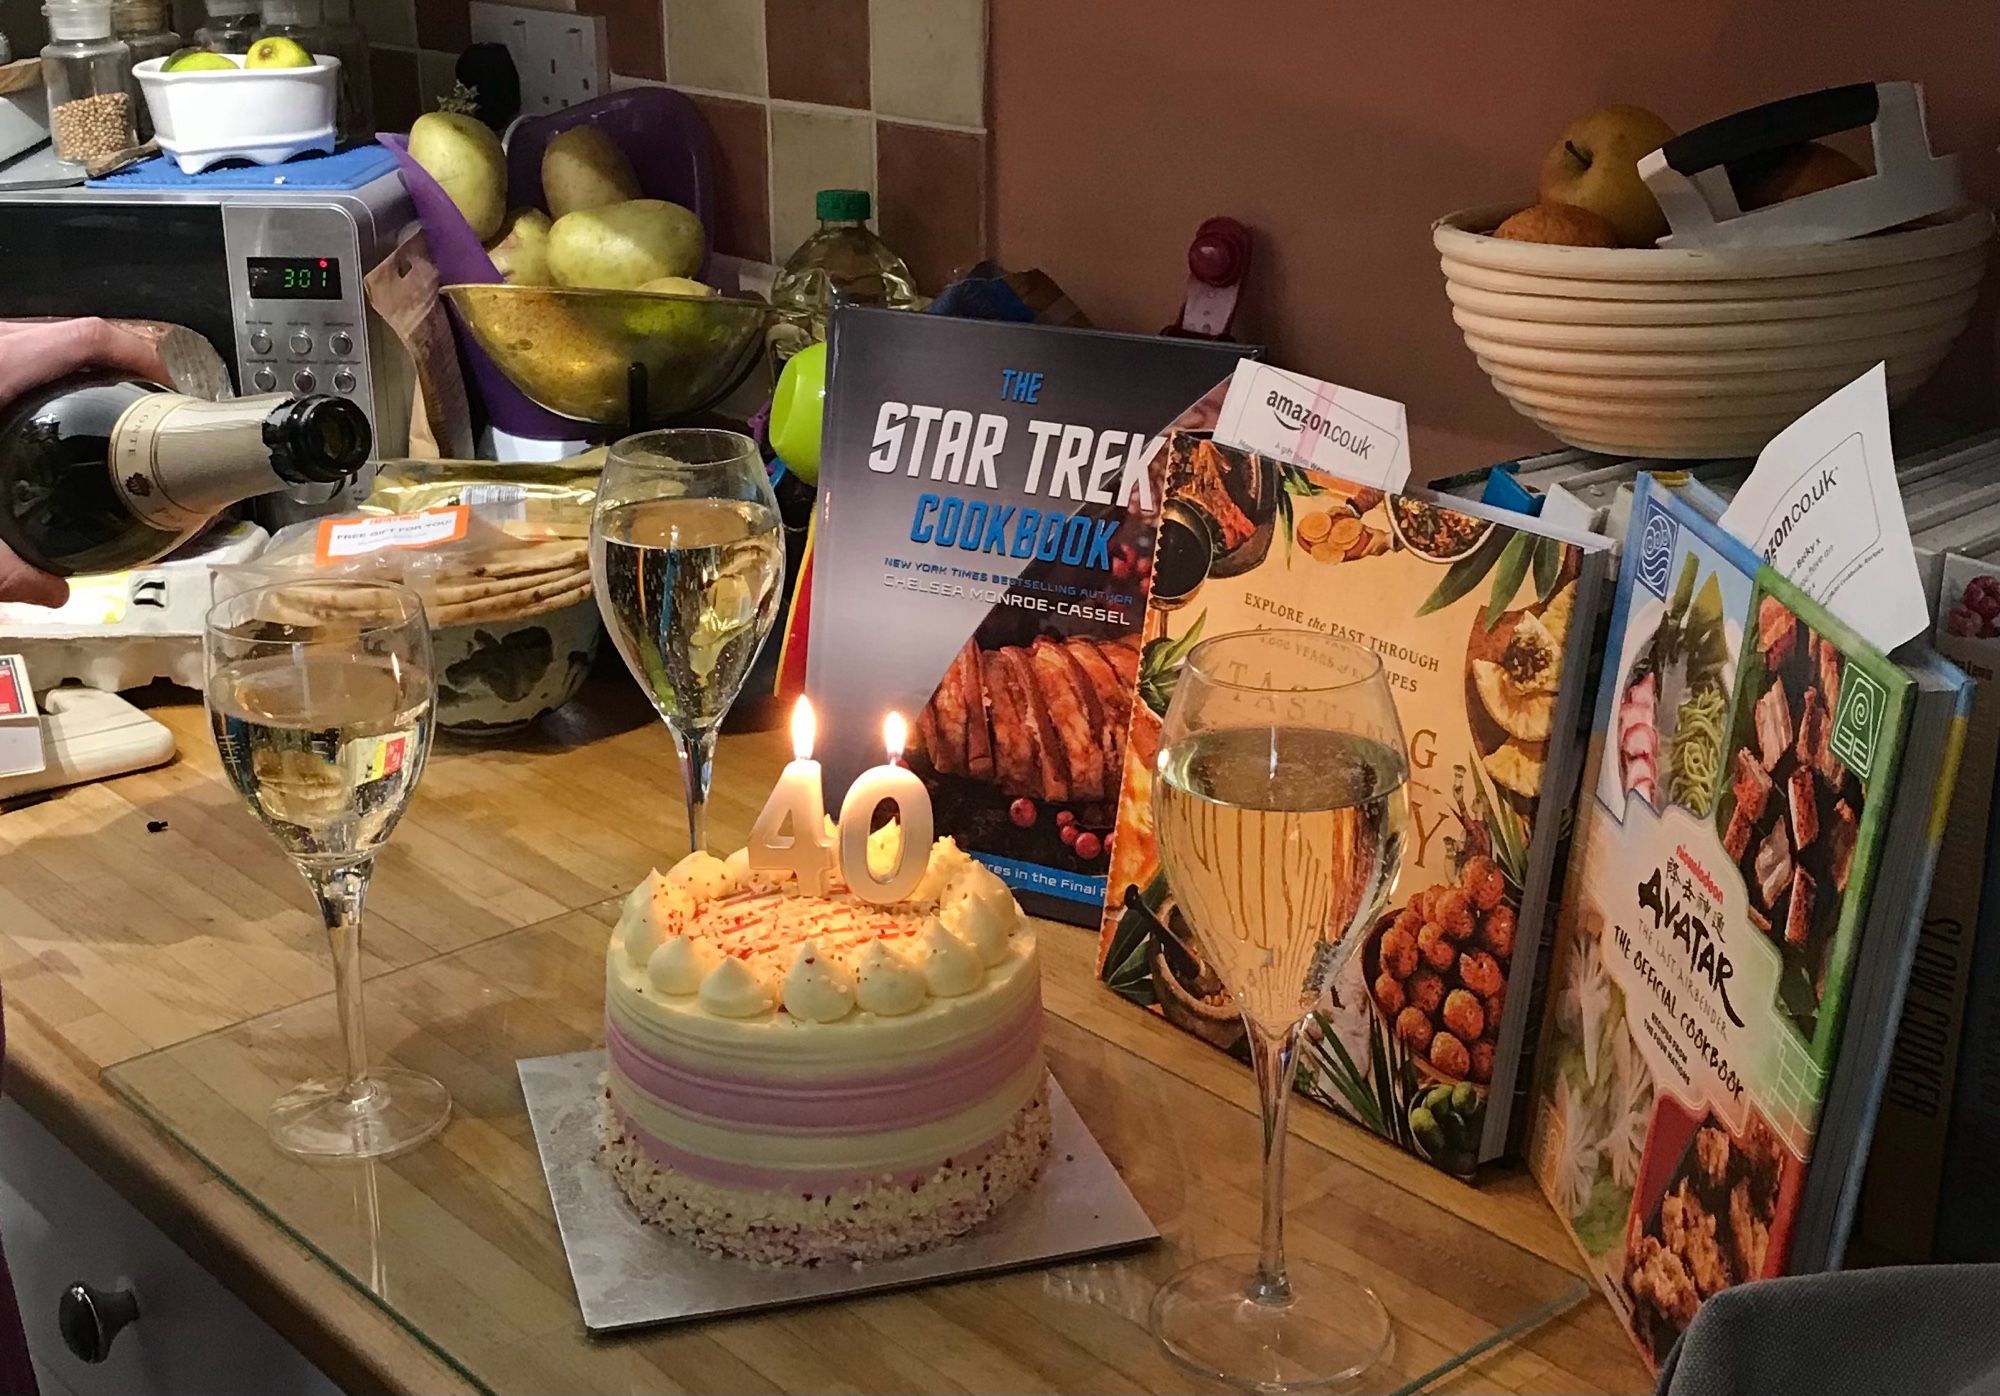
[(91, 1318)]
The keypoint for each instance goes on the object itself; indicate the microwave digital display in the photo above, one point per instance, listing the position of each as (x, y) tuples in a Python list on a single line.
[(294, 278)]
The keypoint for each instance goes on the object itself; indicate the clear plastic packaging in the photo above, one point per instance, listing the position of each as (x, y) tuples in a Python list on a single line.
[(146, 28), (88, 75), (843, 261), (231, 25)]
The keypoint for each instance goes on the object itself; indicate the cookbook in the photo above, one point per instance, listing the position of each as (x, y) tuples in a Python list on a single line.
[(987, 504), (1757, 829), (1927, 1196), (1479, 616)]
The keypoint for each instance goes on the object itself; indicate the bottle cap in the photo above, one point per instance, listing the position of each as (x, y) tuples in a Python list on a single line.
[(843, 205), (318, 439), (229, 9), (138, 16), (78, 19)]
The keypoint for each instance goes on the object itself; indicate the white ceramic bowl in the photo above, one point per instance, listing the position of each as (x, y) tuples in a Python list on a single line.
[(263, 114), (1682, 353)]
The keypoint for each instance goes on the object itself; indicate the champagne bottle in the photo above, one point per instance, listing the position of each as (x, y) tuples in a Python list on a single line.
[(99, 472)]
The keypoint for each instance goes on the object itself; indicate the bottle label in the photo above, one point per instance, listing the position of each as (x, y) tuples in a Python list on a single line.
[(177, 461), (352, 537)]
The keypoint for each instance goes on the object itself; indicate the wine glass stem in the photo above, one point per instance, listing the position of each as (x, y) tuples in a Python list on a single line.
[(339, 889), (696, 750), (1271, 1058)]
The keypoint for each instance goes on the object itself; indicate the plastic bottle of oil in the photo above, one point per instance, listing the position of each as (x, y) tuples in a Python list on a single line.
[(844, 262)]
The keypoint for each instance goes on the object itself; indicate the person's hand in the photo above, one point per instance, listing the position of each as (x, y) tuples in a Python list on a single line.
[(34, 353)]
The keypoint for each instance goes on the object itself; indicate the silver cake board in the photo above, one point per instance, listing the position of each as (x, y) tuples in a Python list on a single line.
[(629, 1274)]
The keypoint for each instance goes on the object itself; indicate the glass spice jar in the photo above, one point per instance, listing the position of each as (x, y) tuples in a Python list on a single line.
[(144, 26), (312, 25), (88, 76), (348, 41), (230, 27)]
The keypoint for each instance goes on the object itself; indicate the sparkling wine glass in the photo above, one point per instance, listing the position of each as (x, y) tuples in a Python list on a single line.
[(320, 696), (1279, 807), (688, 561)]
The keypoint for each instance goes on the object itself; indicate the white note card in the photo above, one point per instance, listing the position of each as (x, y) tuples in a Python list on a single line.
[(1822, 507), (1343, 431)]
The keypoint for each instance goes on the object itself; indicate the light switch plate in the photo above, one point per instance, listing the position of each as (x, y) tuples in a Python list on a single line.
[(562, 58)]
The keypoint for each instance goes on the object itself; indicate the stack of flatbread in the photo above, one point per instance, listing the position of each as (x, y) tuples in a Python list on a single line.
[(515, 584), (511, 585)]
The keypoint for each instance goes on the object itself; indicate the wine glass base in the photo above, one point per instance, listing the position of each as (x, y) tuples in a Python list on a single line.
[(328, 1122), (1329, 1332)]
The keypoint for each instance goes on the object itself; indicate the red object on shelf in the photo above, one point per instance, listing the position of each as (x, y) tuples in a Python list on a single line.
[(1218, 261)]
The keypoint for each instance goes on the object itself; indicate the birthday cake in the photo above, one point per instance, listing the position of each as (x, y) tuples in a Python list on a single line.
[(802, 1079)]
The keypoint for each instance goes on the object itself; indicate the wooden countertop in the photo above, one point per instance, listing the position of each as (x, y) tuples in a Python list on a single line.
[(119, 940)]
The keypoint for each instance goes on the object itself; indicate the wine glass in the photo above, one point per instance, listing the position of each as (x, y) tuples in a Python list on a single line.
[(1279, 808), (688, 561), (320, 696)]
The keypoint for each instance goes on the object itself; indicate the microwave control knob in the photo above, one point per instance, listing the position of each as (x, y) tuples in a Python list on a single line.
[(343, 380), (303, 381), (342, 344), (302, 343), (260, 342), (266, 381)]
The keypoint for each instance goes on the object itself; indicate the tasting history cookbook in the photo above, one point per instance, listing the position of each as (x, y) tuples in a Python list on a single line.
[(1736, 819), (988, 496), (1477, 615)]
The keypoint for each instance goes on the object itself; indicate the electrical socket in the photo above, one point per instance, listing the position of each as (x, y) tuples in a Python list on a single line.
[(561, 57)]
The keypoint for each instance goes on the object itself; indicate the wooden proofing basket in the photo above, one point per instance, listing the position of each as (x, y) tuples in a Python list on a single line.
[(1694, 353)]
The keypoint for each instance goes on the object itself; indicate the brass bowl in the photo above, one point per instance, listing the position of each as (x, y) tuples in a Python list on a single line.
[(571, 351)]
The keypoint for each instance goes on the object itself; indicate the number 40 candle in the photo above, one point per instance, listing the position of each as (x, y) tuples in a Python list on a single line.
[(790, 833), (898, 785)]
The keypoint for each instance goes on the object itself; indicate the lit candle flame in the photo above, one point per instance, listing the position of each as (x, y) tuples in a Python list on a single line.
[(895, 732), (804, 729)]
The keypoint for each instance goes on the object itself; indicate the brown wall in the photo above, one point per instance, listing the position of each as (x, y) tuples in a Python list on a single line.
[(1338, 129)]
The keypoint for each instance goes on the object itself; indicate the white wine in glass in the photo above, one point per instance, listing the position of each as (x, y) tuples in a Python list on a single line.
[(689, 561), (1279, 808), (320, 698)]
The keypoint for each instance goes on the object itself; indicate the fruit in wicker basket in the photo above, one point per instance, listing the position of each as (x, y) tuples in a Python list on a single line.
[(1563, 224), (465, 158), (1595, 166), (1790, 174)]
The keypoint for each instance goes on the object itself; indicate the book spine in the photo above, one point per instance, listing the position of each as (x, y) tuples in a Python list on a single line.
[(1899, 1214)]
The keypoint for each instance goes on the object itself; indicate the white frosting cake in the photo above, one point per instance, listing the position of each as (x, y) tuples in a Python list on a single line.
[(803, 1079)]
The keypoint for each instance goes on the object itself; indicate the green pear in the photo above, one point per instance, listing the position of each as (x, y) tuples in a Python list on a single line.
[(277, 52), (625, 245), (582, 168), (465, 158), (196, 60), (521, 254), (676, 286)]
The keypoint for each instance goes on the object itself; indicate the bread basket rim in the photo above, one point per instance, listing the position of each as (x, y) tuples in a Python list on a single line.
[(1462, 237)]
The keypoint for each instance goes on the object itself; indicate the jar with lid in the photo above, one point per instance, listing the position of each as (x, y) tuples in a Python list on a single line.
[(147, 29), (310, 24), (88, 75), (230, 26), (348, 41)]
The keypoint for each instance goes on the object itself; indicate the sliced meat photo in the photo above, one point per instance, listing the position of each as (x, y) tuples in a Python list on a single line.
[(1046, 720)]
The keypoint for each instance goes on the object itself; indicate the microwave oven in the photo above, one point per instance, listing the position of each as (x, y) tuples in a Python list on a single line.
[(270, 276)]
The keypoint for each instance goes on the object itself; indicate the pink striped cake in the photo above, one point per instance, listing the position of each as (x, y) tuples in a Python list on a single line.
[(803, 1079)]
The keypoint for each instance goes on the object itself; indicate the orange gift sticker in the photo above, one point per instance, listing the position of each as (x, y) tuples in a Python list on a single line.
[(340, 539)]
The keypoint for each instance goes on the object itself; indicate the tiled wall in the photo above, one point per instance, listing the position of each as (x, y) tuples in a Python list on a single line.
[(883, 95)]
